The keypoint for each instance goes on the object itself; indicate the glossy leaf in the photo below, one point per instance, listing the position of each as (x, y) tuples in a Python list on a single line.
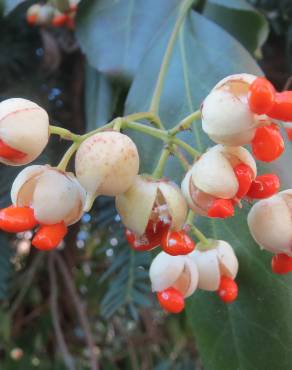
[(115, 34), (99, 98), (241, 20), (255, 332), (10, 5)]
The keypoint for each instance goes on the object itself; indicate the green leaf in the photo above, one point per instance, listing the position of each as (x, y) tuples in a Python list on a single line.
[(10, 5), (99, 97), (115, 34), (255, 332), (241, 20)]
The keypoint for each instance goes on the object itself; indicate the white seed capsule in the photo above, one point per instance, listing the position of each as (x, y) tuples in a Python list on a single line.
[(74, 2), (55, 196), (149, 199), (219, 260), (212, 176), (226, 117), (179, 272), (33, 10), (24, 126), (42, 14), (45, 15), (106, 164), (270, 223)]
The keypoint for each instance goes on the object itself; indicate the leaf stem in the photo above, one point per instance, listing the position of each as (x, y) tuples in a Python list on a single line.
[(64, 133), (158, 172), (67, 156), (162, 135), (184, 162), (118, 124), (196, 232), (186, 123), (158, 133), (154, 105), (189, 149), (99, 129), (152, 117)]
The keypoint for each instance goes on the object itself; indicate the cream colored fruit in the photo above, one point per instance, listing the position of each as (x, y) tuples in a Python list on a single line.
[(45, 15), (106, 164), (270, 223), (33, 10), (55, 196), (212, 176), (179, 272), (219, 260), (24, 126), (226, 117), (146, 199)]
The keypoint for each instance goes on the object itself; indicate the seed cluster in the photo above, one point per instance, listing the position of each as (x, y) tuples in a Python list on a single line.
[(48, 15), (240, 109)]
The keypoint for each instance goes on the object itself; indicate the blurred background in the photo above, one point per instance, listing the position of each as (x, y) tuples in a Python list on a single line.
[(95, 299)]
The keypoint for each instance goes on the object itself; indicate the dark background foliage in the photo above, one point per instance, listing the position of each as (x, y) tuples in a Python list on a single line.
[(122, 44)]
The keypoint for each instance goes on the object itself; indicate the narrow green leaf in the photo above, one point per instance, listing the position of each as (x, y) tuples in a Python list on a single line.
[(118, 261), (141, 299)]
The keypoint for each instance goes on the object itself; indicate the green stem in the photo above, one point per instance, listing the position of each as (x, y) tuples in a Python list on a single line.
[(124, 122), (68, 135), (196, 232), (186, 123), (162, 135), (184, 162), (158, 172), (152, 117), (192, 151), (99, 129), (64, 133), (67, 156), (190, 218), (118, 124), (155, 132), (154, 105)]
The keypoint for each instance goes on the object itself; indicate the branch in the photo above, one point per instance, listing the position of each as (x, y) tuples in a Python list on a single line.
[(61, 344), (26, 282), (80, 309)]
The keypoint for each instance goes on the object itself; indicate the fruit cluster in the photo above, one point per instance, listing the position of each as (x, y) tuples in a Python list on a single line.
[(49, 15), (155, 211)]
